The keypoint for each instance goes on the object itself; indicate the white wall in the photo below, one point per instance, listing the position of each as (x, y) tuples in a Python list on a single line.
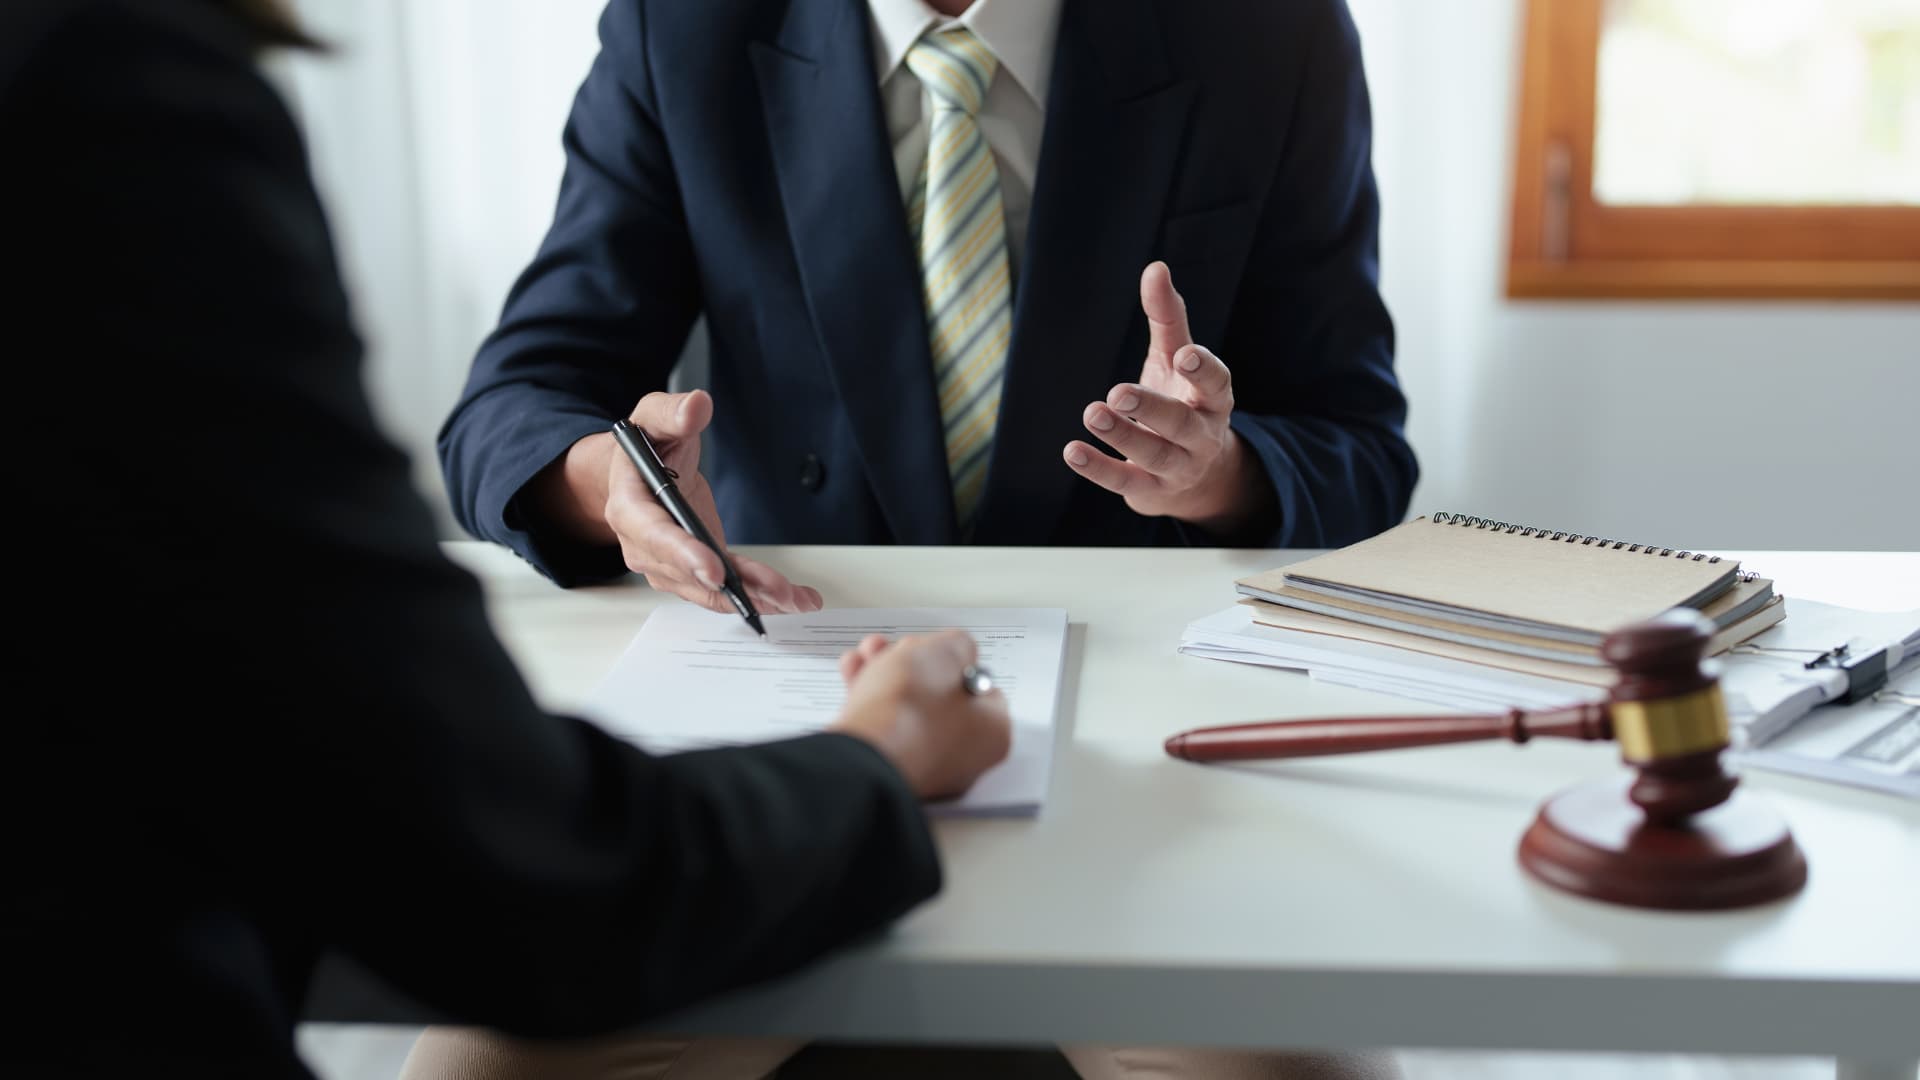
[(435, 131), (1691, 425)]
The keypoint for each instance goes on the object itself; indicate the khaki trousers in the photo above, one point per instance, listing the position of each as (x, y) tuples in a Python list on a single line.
[(447, 1053)]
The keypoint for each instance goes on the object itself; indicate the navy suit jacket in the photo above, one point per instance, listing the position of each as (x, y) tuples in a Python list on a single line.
[(729, 158)]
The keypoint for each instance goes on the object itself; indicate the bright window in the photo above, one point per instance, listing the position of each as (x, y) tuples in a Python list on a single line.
[(1719, 148)]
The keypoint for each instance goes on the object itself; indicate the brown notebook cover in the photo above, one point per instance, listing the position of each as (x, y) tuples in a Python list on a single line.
[(1520, 579), (1286, 618)]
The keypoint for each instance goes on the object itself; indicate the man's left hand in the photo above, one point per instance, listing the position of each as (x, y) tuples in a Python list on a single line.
[(1182, 459)]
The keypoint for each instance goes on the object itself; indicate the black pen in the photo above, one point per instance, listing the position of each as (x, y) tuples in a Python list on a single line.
[(659, 480)]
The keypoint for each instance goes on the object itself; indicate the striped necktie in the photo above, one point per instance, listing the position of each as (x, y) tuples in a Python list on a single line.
[(960, 229)]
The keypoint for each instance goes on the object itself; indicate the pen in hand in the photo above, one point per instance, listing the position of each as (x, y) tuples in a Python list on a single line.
[(659, 480)]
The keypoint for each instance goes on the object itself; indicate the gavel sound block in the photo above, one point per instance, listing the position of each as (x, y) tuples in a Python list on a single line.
[(1675, 834)]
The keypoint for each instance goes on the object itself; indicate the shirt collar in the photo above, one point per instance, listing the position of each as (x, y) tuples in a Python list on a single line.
[(1021, 34)]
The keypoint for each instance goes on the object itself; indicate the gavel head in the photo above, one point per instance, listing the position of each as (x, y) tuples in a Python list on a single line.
[(1668, 714)]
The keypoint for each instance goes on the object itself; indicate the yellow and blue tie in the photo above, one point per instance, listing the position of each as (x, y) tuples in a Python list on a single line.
[(960, 229)]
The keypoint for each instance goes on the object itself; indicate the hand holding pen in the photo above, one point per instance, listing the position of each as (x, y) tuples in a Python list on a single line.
[(928, 705), (657, 546)]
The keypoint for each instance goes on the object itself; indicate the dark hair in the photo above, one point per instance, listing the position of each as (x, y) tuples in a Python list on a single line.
[(269, 23)]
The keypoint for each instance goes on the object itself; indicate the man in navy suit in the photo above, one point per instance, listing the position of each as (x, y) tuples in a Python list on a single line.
[(935, 243), (932, 246)]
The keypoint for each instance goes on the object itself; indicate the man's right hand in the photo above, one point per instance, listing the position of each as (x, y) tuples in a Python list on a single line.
[(651, 542), (906, 699)]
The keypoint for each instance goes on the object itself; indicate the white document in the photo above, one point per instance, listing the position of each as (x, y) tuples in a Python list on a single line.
[(1233, 635), (1872, 743), (692, 678)]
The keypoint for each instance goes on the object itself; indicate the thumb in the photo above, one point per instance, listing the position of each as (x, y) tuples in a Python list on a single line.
[(674, 416), (1166, 313)]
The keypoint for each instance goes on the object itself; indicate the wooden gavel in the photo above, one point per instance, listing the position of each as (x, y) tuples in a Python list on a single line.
[(1664, 707), (1267, 740), (1674, 836)]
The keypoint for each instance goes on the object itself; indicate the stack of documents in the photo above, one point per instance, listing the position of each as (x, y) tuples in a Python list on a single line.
[(692, 679), (1483, 615), (1491, 593), (1778, 707)]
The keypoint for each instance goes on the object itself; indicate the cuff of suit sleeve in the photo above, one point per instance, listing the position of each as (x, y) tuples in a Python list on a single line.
[(1273, 465), (861, 806), (883, 838), (568, 562)]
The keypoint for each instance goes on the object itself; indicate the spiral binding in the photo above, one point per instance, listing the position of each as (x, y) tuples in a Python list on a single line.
[(1511, 529)]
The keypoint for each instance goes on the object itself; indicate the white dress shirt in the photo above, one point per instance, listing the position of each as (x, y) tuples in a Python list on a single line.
[(1021, 34)]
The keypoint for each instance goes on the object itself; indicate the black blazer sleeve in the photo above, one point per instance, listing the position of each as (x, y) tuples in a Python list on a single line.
[(299, 711), (594, 323)]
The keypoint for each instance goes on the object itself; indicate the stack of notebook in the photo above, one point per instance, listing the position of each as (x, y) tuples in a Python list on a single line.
[(1528, 600), (1481, 615)]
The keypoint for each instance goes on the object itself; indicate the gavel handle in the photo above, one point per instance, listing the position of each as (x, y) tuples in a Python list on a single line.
[(1315, 738)]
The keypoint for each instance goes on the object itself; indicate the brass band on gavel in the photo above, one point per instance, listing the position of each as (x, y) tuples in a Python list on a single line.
[(1659, 729)]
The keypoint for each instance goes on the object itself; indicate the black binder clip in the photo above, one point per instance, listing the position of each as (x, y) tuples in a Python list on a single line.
[(1866, 671)]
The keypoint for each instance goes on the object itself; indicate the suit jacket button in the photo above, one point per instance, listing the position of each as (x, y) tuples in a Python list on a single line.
[(812, 473)]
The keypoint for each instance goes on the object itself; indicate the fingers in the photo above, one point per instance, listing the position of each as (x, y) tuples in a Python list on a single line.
[(957, 645), (771, 589), (907, 700), (673, 561), (1166, 314), (1212, 382), (656, 545), (939, 658), (663, 580), (673, 416), (1170, 417), (1119, 477), (855, 660), (1167, 440), (1147, 449)]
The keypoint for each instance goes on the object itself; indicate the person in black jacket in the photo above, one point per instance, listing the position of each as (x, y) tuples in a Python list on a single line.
[(268, 719)]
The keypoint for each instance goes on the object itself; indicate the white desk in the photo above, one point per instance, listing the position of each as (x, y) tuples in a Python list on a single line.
[(1358, 902)]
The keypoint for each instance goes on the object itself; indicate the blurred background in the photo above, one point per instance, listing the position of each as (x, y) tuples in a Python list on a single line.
[(1716, 424)]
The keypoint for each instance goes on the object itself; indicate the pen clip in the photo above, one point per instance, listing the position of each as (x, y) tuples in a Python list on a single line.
[(1838, 656), (658, 458), (646, 441), (1866, 667)]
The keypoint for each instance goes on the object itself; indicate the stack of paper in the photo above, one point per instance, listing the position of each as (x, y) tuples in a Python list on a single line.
[(1768, 687), (692, 678), (1535, 602), (1233, 635), (1483, 615)]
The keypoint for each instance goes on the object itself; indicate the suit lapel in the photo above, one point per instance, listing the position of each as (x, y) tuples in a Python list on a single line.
[(841, 194), (1115, 119)]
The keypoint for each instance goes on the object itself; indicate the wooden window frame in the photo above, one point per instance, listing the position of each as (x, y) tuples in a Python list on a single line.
[(1566, 244)]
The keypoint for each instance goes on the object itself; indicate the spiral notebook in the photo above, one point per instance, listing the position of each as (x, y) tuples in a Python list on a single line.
[(1518, 589)]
